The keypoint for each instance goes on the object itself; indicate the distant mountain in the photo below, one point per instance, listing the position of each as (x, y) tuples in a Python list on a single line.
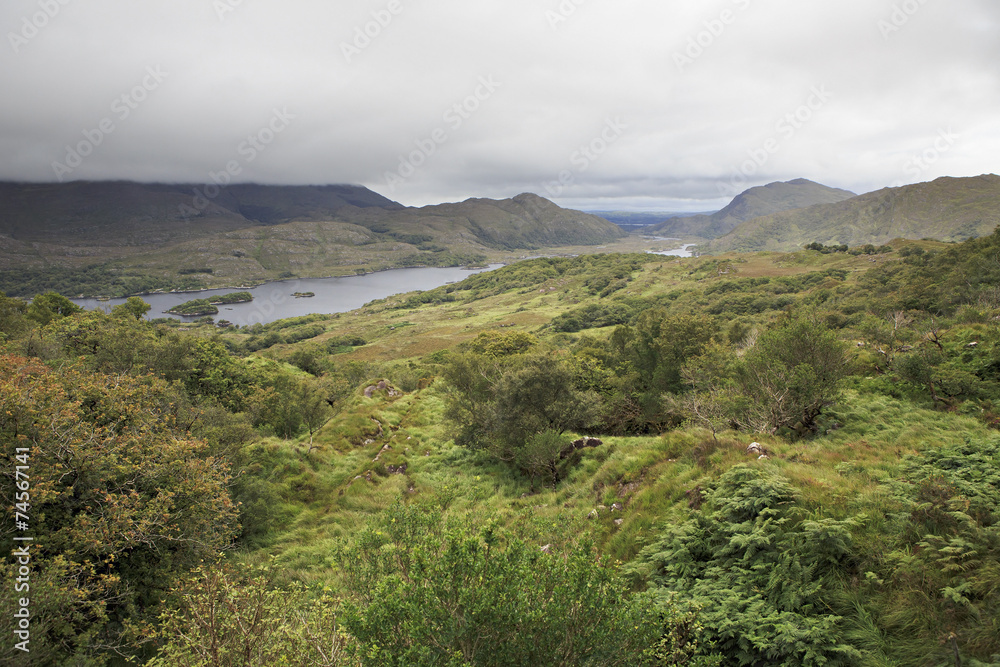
[(141, 214), (947, 209), (243, 233), (638, 221), (527, 221), (755, 202)]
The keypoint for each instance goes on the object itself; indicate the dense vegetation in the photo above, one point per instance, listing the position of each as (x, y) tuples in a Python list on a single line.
[(103, 280), (773, 459)]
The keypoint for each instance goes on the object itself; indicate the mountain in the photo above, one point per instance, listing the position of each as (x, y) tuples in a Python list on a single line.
[(149, 214), (947, 209), (527, 221), (245, 233), (755, 202)]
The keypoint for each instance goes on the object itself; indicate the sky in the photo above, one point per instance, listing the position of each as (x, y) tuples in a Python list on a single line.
[(670, 105)]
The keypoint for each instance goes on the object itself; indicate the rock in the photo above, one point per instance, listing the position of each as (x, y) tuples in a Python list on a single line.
[(763, 457), (617, 507), (619, 522), (369, 391), (547, 549), (383, 451), (580, 443), (593, 514), (396, 470), (755, 448)]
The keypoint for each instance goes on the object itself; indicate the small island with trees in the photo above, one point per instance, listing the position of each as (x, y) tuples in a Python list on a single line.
[(201, 307)]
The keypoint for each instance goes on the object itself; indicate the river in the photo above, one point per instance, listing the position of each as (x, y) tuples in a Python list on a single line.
[(275, 301)]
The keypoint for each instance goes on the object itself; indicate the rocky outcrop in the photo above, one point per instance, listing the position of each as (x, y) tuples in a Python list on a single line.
[(581, 443)]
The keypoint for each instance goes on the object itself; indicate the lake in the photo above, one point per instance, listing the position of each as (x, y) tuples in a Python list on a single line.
[(683, 251), (274, 301)]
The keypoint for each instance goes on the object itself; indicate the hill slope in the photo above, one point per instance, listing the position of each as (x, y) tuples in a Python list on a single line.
[(256, 232), (947, 209), (755, 202)]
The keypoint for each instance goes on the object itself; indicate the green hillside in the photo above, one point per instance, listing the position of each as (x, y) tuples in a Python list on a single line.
[(121, 238), (947, 209), (764, 459), (753, 203)]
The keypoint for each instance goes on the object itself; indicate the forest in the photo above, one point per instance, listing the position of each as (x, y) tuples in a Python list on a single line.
[(760, 459)]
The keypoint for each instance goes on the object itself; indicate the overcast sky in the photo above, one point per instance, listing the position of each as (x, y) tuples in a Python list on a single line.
[(623, 104)]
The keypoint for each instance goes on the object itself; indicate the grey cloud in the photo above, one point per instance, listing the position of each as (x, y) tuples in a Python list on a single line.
[(371, 82)]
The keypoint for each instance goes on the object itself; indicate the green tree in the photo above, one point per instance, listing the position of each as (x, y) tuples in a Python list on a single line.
[(121, 501), (223, 616), (790, 375), (499, 404), (50, 306), (134, 306)]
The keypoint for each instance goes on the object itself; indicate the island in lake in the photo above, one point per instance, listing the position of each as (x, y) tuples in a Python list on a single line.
[(303, 295), (200, 307)]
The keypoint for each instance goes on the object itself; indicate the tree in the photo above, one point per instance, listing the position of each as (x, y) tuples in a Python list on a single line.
[(133, 306), (500, 403), (314, 405), (121, 501), (50, 306), (13, 320), (227, 616), (791, 374), (711, 401)]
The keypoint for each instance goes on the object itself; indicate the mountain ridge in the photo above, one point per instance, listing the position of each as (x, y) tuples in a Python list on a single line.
[(752, 203), (945, 209), (251, 233)]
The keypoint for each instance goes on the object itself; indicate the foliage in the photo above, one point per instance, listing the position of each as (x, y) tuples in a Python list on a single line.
[(790, 376), (428, 591), (222, 616), (232, 297), (760, 575), (194, 308), (500, 403), (121, 500), (99, 279)]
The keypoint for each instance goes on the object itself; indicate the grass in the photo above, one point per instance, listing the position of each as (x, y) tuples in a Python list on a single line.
[(852, 470)]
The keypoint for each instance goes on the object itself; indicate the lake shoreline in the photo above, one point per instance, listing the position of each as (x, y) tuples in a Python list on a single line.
[(282, 280)]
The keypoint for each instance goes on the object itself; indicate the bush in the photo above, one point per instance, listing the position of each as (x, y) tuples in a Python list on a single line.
[(424, 591), (763, 580)]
